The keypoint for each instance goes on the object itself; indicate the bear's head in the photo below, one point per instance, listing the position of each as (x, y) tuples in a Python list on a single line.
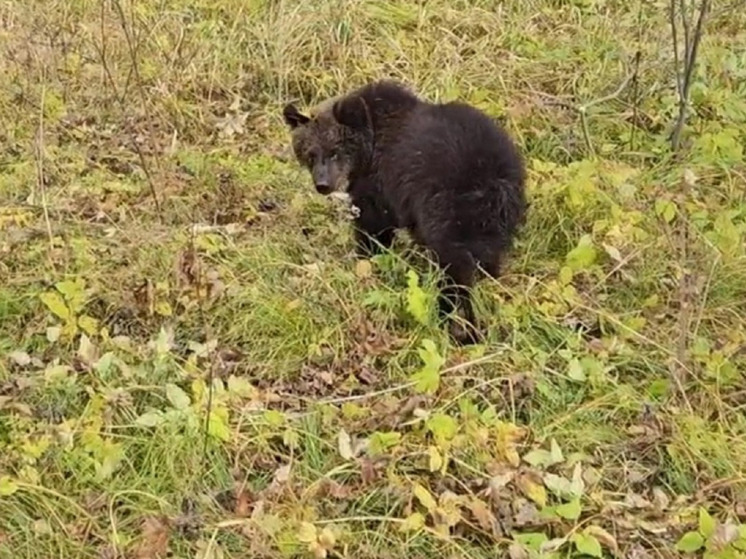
[(335, 144)]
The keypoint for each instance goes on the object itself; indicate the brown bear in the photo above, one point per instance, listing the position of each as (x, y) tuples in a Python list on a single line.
[(445, 172)]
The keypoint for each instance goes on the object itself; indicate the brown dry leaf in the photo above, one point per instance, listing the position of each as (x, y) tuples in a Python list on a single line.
[(363, 269), (517, 551), (329, 488), (526, 513), (188, 268), (660, 499), (155, 533), (603, 537), (725, 534), (483, 515), (368, 471), (243, 503)]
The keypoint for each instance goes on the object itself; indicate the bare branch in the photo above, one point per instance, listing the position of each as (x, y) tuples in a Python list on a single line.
[(691, 47)]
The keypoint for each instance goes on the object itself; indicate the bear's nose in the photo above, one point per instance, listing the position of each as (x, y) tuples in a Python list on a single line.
[(323, 187)]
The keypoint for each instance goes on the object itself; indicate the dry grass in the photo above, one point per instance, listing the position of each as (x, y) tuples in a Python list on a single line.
[(144, 164)]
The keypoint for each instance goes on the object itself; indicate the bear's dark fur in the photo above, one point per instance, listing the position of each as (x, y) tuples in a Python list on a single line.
[(445, 172)]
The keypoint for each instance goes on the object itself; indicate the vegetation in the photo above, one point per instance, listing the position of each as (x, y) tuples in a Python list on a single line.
[(191, 360)]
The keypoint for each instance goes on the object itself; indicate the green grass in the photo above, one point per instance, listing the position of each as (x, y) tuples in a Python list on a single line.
[(616, 332)]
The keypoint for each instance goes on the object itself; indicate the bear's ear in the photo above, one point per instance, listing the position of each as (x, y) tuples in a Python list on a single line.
[(352, 112), (293, 117)]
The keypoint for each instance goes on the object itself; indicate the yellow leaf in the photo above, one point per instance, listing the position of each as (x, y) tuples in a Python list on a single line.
[(327, 538), (436, 460), (413, 522), (508, 435), (532, 489), (56, 304), (363, 269), (307, 532), (163, 308), (424, 497), (88, 324)]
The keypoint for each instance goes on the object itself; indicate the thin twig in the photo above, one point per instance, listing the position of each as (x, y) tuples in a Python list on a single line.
[(133, 48), (691, 47), (40, 180)]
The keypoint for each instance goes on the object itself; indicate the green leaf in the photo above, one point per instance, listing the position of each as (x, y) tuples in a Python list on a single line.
[(587, 544), (540, 457), (690, 542), (417, 299), (7, 486), (582, 256), (111, 455), (217, 425), (565, 275), (178, 398), (575, 370), (707, 523), (56, 304), (74, 292), (380, 442), (149, 419), (241, 387), (532, 540), (569, 511), (443, 427), (665, 209), (427, 379)]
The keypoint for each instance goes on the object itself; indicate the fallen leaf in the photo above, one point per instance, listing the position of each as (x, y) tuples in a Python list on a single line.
[(20, 358), (725, 534), (153, 539), (178, 398), (327, 538), (282, 474), (424, 497), (413, 522), (527, 514), (344, 444), (87, 351), (53, 334), (570, 511), (482, 514), (587, 544), (307, 532), (532, 489), (517, 551), (604, 537), (435, 461), (363, 269), (243, 503), (368, 471)]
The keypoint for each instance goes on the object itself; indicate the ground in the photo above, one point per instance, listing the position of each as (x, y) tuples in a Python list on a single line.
[(193, 364)]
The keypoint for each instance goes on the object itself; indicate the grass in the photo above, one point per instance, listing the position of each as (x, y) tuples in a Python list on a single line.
[(192, 361)]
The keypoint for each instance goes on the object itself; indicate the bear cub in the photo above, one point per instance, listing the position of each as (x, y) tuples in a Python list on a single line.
[(445, 172)]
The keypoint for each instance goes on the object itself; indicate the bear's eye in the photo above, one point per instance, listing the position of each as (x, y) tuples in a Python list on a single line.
[(333, 156)]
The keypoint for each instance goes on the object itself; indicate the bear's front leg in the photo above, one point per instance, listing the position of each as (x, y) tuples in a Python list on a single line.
[(374, 230)]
